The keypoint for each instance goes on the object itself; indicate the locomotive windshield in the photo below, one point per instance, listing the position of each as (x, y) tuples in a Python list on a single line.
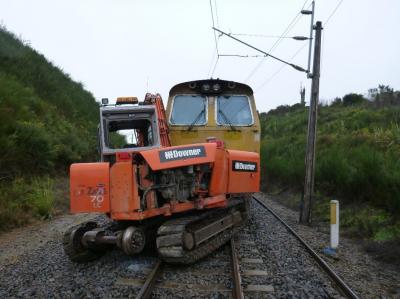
[(234, 110), (189, 110)]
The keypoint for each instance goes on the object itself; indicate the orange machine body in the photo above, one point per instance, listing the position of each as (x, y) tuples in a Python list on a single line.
[(117, 188)]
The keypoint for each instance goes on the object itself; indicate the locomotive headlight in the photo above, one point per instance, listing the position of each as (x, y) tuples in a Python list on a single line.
[(206, 87), (216, 87)]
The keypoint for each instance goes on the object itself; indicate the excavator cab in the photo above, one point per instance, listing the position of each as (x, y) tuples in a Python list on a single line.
[(131, 126), (127, 128)]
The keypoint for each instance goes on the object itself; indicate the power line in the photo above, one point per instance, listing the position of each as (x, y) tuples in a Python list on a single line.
[(242, 56), (216, 12), (305, 5), (323, 36), (216, 44), (300, 49), (215, 66), (285, 32), (281, 68), (296, 37), (215, 35), (260, 35), (265, 53), (212, 63), (333, 12)]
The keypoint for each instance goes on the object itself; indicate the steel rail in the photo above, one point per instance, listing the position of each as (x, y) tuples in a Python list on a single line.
[(148, 286), (334, 277), (237, 280)]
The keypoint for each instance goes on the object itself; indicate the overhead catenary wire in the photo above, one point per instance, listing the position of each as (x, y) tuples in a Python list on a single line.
[(212, 65), (323, 36), (299, 68), (275, 45), (242, 56), (263, 35), (294, 21), (259, 35), (216, 44), (300, 49), (296, 37), (216, 12), (280, 69), (333, 12), (213, 23), (215, 66)]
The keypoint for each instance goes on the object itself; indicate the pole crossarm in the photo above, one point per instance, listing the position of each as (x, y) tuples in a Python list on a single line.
[(296, 67)]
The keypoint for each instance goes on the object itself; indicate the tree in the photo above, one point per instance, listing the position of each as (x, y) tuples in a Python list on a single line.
[(353, 99)]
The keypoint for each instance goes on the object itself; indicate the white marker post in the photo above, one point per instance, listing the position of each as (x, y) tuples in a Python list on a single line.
[(334, 224)]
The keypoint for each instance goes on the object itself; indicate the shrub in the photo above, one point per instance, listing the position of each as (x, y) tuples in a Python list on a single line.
[(23, 200), (357, 158), (353, 99)]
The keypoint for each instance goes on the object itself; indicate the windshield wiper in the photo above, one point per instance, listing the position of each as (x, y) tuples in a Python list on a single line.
[(227, 120), (196, 119)]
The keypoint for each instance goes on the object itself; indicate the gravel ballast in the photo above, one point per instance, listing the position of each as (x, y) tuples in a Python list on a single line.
[(293, 273), (33, 265), (367, 277)]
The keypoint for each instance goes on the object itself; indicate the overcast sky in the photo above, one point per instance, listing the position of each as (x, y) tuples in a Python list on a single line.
[(122, 48)]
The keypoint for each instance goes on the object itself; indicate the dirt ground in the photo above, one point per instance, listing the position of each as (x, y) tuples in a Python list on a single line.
[(17, 242)]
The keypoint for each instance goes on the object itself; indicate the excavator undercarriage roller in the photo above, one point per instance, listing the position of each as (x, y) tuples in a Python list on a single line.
[(187, 239), (133, 240)]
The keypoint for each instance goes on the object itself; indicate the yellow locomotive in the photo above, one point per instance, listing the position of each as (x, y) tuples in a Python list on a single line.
[(223, 109)]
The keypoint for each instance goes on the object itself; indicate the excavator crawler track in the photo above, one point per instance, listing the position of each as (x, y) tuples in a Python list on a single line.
[(172, 241)]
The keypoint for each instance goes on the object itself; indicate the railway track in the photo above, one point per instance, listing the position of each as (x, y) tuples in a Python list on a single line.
[(341, 285), (238, 271), (233, 287)]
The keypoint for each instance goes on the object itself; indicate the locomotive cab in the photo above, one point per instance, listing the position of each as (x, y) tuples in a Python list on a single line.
[(217, 108)]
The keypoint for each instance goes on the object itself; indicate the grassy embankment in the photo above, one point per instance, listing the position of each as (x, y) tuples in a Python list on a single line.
[(47, 122), (357, 161)]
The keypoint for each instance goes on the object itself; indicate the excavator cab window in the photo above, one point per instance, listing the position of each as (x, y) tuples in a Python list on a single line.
[(129, 133)]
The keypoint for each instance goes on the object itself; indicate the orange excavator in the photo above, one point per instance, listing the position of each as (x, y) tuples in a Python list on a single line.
[(186, 200)]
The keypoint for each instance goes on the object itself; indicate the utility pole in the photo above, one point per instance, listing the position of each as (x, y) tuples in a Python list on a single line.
[(305, 211)]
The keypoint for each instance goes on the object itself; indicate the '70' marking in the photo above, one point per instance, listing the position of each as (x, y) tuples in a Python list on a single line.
[(97, 195)]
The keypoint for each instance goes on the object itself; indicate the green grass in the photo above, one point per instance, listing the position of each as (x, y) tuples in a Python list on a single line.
[(25, 200), (357, 160), (42, 196)]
